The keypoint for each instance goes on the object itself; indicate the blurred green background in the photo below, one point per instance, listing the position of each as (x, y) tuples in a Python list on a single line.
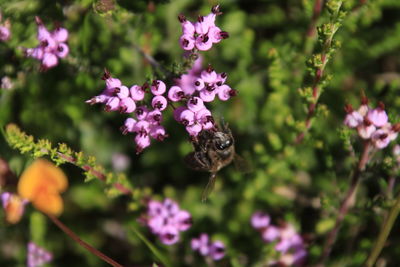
[(265, 58)]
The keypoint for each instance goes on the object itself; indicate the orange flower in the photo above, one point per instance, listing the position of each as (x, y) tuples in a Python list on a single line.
[(41, 183), (13, 206)]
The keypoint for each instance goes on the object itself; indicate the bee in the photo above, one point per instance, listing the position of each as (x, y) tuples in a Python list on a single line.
[(213, 150)]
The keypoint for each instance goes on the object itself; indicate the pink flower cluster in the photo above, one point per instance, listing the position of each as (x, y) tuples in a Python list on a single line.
[(5, 32), (216, 249), (201, 35), (289, 244), (51, 46), (37, 256), (166, 220), (372, 123), (202, 88), (147, 122)]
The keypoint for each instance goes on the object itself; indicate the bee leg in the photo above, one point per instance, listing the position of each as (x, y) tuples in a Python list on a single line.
[(203, 161)]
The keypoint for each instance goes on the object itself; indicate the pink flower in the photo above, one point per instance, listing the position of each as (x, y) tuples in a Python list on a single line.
[(270, 234), (51, 46), (5, 33), (158, 87), (175, 94), (216, 250), (37, 256), (202, 34), (167, 220), (260, 220), (378, 115)]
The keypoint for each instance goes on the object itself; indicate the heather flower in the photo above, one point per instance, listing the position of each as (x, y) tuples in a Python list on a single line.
[(203, 33), (187, 81), (194, 90), (120, 162), (37, 256), (159, 102), (353, 118), (13, 206), (202, 244), (175, 94), (372, 125), (288, 243), (166, 220), (51, 46), (378, 115), (260, 220), (158, 87), (5, 32), (270, 233), (217, 250), (380, 138), (6, 83)]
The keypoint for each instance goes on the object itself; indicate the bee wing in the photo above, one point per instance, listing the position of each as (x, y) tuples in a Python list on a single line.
[(241, 164), (209, 187), (192, 162)]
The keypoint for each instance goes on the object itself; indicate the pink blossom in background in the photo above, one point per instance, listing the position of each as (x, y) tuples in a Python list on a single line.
[(52, 46), (203, 244), (37, 256), (372, 124), (289, 244), (166, 220), (5, 30)]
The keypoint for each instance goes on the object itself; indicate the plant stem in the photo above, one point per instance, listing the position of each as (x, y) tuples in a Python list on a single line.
[(99, 175), (316, 12), (319, 72), (384, 233), (82, 243), (344, 207)]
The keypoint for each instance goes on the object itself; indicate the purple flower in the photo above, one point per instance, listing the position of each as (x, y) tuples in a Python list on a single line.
[(175, 94), (195, 104), (289, 244), (166, 220), (260, 220), (169, 235), (378, 115), (51, 46), (270, 234), (216, 249), (5, 32), (159, 102), (158, 87), (201, 244), (37, 256), (353, 119), (381, 138), (203, 33), (187, 81)]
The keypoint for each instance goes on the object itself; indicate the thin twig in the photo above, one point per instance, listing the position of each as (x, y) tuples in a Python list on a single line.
[(384, 233), (316, 12), (319, 72), (82, 243), (99, 175), (344, 207)]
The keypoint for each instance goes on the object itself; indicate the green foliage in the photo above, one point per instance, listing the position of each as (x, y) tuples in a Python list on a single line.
[(273, 63)]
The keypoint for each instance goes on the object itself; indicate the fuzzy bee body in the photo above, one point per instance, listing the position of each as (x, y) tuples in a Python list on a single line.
[(213, 150)]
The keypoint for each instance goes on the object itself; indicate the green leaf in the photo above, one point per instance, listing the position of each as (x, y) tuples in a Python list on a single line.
[(153, 249)]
